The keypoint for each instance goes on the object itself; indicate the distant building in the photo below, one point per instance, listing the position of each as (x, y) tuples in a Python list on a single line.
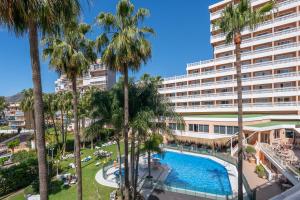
[(17, 118), (98, 75)]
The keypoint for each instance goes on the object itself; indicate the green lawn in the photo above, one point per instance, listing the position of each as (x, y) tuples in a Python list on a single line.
[(91, 189), (274, 123)]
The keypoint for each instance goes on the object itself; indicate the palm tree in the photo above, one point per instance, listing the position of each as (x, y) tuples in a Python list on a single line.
[(152, 145), (27, 105), (13, 144), (125, 47), (30, 17), (3, 105), (142, 124), (85, 109), (71, 54), (51, 108), (64, 104), (234, 19)]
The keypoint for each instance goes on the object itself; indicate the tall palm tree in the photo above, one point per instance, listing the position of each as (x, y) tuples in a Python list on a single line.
[(71, 54), (125, 48), (3, 105), (64, 104), (30, 17), (234, 19), (27, 105), (51, 108)]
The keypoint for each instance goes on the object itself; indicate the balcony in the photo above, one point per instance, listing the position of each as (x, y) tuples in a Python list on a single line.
[(221, 36), (247, 107), (279, 6), (287, 91), (246, 81)]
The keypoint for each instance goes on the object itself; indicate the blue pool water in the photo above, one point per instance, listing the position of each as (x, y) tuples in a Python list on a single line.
[(196, 173)]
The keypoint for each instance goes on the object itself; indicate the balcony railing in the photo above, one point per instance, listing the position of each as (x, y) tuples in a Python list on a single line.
[(270, 49), (245, 105), (278, 5), (263, 77), (233, 94), (270, 35)]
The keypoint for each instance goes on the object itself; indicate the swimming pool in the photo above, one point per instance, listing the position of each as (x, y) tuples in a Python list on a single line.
[(195, 173)]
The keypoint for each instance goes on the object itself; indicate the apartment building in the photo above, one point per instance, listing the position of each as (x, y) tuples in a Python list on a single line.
[(17, 118), (98, 75), (270, 71)]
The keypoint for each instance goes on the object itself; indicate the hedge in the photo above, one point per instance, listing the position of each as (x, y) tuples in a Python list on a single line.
[(19, 176)]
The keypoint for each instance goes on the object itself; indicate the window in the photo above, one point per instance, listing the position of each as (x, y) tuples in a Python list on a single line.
[(181, 127), (276, 134), (203, 128), (230, 130), (196, 127), (172, 126), (226, 129), (289, 133), (191, 127)]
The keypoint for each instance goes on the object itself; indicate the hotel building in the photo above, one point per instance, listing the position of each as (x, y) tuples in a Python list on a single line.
[(17, 118), (206, 96), (98, 75)]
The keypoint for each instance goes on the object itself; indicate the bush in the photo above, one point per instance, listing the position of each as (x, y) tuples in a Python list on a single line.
[(18, 176), (250, 150), (22, 156), (2, 160), (260, 170)]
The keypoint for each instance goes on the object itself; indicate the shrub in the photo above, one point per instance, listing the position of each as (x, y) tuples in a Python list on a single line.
[(2, 160), (260, 170), (18, 176), (22, 156), (250, 150)]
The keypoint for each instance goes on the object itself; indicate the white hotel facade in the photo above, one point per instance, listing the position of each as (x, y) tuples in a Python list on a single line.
[(206, 95), (270, 67)]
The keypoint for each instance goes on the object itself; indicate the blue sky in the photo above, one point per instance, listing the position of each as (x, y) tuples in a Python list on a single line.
[(182, 36)]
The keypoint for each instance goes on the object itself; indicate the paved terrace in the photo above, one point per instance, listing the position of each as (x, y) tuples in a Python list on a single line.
[(264, 189)]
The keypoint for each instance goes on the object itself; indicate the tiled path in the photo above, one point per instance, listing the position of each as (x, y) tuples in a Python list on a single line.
[(252, 178)]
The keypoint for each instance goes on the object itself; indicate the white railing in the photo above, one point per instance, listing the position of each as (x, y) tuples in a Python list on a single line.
[(283, 166), (264, 77), (269, 35), (278, 5), (247, 92), (269, 49), (245, 105)]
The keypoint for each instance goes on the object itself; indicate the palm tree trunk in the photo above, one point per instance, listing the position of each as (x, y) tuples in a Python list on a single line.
[(34, 131), (77, 139), (39, 110), (63, 132), (237, 41), (136, 170), (55, 130), (120, 166), (126, 128), (149, 164), (132, 156)]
